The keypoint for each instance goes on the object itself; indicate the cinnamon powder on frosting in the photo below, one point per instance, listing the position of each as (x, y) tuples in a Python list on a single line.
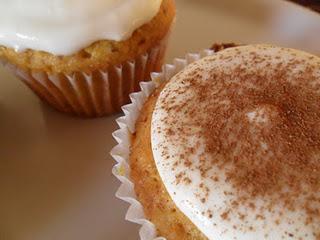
[(258, 127)]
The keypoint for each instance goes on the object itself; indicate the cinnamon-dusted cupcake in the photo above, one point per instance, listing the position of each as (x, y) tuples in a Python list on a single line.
[(85, 57), (229, 148)]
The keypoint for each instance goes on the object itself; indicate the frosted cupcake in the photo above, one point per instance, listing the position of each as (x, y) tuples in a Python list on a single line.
[(228, 148), (84, 57)]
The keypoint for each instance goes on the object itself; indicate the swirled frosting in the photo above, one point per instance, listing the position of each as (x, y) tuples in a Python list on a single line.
[(63, 27), (236, 141)]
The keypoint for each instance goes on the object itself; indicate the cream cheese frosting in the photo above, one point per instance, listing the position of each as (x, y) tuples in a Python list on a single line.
[(236, 141), (63, 27)]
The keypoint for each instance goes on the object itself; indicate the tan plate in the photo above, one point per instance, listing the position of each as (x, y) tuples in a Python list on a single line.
[(55, 171)]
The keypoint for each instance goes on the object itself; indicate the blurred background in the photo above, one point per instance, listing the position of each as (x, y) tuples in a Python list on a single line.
[(55, 171), (203, 22)]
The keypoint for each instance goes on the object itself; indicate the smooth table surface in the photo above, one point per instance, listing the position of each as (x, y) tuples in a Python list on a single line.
[(55, 170)]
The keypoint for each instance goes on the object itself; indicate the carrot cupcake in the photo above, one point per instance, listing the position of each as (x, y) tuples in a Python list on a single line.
[(228, 148), (85, 57)]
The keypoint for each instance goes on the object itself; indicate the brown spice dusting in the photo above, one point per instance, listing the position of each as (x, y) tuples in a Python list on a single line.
[(252, 206), (225, 215), (260, 127), (215, 178), (242, 216), (187, 180), (259, 216), (180, 177)]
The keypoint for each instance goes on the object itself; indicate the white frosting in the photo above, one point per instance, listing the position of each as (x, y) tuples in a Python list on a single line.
[(213, 216), (63, 27)]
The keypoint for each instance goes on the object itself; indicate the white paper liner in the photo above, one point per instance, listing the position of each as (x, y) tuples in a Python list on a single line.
[(121, 152), (95, 94)]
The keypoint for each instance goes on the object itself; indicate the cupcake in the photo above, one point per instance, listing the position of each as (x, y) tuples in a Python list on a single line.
[(84, 58), (226, 148)]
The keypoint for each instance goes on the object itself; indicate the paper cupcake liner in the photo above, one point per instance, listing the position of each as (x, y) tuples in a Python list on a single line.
[(99, 93), (121, 152)]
